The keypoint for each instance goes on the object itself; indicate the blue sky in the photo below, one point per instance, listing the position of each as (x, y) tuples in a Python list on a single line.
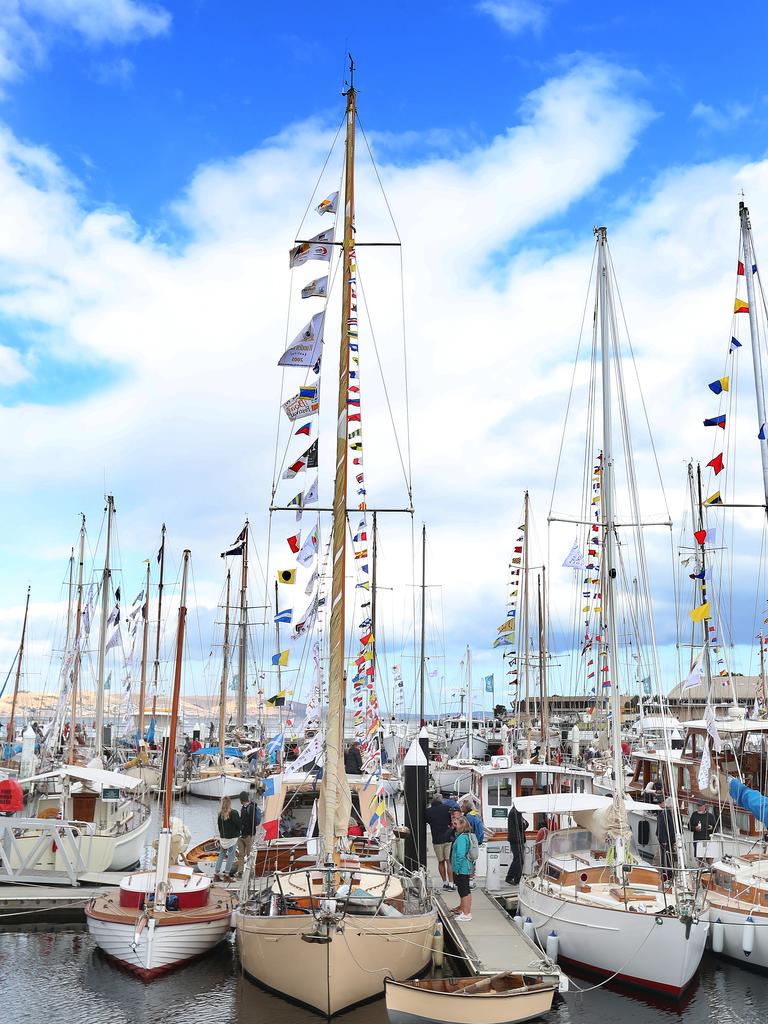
[(155, 159)]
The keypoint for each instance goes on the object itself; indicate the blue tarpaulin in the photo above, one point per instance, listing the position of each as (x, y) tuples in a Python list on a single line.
[(749, 800), (228, 751)]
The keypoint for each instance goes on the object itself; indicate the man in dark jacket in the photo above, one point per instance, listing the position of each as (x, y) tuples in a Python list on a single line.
[(665, 833), (250, 819), (702, 824), (353, 759), (439, 820), (516, 826)]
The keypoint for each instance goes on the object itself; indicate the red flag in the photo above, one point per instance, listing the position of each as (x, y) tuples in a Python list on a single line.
[(294, 543), (700, 536), (271, 828), (740, 269), (717, 464)]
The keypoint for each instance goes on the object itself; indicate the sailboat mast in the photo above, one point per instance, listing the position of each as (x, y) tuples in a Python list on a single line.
[(78, 625), (754, 336), (609, 525), (106, 576), (10, 726), (243, 659), (144, 645), (156, 675), (697, 518), (176, 692), (522, 636), (542, 598), (224, 675), (422, 659), (336, 681), (374, 556)]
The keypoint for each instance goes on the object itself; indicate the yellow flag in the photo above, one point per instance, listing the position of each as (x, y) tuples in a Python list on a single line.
[(740, 306), (700, 613)]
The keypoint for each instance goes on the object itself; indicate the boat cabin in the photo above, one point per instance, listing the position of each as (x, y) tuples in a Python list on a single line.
[(495, 786)]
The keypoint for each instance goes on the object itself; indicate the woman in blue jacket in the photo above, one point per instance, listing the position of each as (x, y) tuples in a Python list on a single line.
[(461, 866)]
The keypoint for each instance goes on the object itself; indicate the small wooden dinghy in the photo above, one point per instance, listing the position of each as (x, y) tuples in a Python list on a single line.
[(502, 999)]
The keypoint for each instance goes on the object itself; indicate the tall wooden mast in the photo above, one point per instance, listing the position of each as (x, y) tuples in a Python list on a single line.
[(521, 634), (242, 681), (17, 680), (156, 674), (144, 645), (171, 750), (78, 641), (106, 577), (224, 676), (334, 765)]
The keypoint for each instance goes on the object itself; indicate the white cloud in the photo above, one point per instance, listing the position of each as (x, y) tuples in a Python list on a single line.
[(29, 27), (721, 119), (515, 16), (186, 432)]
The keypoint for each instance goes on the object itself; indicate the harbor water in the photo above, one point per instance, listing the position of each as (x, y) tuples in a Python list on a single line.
[(82, 987)]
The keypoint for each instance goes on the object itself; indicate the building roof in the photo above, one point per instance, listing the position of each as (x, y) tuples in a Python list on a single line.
[(722, 693)]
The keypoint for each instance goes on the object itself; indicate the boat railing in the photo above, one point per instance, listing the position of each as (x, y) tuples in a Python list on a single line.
[(25, 841)]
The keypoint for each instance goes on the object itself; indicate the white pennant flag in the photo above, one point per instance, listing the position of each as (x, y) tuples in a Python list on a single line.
[(329, 204), (316, 289), (312, 580), (312, 821), (305, 349), (574, 559), (694, 676), (308, 550), (704, 769), (114, 639), (310, 753), (318, 248), (311, 496), (307, 620), (709, 718)]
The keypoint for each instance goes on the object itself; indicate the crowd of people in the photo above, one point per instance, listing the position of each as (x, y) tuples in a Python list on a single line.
[(457, 834)]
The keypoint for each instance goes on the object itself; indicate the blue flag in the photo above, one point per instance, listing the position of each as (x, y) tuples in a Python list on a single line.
[(735, 343), (489, 684), (275, 744), (284, 616)]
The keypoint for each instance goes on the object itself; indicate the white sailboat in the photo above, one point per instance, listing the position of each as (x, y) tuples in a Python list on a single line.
[(638, 925), (348, 926), (159, 920)]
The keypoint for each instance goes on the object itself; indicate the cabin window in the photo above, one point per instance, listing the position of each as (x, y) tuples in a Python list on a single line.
[(500, 791), (685, 780)]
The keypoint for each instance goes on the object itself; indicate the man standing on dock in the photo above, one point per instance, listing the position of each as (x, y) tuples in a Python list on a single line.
[(438, 817), (250, 819), (516, 826)]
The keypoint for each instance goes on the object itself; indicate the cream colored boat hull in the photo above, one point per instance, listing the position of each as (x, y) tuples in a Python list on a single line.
[(347, 970), (419, 1006)]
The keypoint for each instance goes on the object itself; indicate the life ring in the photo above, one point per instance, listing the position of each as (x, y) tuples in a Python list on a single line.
[(49, 812), (541, 835)]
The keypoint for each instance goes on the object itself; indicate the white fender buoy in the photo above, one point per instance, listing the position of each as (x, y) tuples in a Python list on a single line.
[(553, 946), (528, 928), (718, 936), (518, 921), (748, 936), (438, 945)]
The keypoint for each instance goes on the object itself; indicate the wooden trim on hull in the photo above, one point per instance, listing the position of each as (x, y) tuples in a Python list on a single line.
[(155, 972)]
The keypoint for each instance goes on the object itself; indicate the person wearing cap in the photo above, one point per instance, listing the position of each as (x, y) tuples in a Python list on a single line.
[(665, 833), (702, 824)]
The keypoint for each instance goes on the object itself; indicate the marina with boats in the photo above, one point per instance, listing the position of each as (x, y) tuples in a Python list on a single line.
[(295, 832)]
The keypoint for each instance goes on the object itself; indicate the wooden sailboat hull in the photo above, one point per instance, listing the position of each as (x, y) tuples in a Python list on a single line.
[(645, 950), (445, 1002), (349, 969)]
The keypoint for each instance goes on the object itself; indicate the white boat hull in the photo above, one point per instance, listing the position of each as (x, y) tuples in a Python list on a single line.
[(214, 787), (347, 970), (645, 950), (412, 1006), (129, 847), (158, 949), (733, 936)]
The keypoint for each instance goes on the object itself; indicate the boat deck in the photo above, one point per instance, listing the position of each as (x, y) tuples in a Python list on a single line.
[(491, 942), (24, 905)]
